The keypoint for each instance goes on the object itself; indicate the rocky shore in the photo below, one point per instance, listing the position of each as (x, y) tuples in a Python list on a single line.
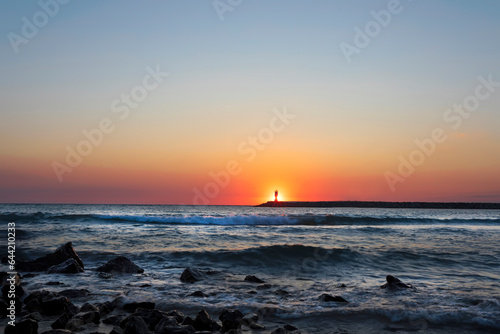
[(72, 310)]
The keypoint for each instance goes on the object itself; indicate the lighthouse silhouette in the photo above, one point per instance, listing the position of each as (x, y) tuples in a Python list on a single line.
[(276, 196)]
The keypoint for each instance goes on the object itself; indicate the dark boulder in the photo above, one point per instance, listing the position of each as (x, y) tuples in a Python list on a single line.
[(74, 293), (164, 324), (61, 254), (25, 326), (231, 319), (70, 266), (49, 303), (83, 318), (57, 331), (131, 307), (253, 279), (191, 275), (329, 298), (120, 265), (198, 293), (112, 320), (135, 325), (178, 315), (18, 291), (203, 322), (87, 307), (395, 283)]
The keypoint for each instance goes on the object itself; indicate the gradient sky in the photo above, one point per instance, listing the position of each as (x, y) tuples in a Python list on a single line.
[(227, 78)]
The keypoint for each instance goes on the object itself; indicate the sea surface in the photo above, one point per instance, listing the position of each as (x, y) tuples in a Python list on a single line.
[(451, 257)]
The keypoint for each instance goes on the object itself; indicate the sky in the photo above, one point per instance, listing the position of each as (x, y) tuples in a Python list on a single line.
[(222, 102)]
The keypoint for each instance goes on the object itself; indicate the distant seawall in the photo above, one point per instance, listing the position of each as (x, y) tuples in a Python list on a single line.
[(385, 205)]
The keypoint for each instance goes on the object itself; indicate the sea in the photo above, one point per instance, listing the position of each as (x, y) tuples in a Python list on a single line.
[(450, 257)]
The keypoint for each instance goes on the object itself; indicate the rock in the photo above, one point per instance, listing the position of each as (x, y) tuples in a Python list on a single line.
[(120, 265), (253, 279), (165, 323), (203, 322), (135, 305), (57, 331), (251, 319), (290, 327), (7, 278), (264, 287), (48, 303), (329, 298), (70, 266), (83, 318), (25, 326), (74, 293), (152, 317), (191, 275), (395, 283), (135, 325), (35, 316), (279, 331), (116, 330), (54, 283), (106, 307), (112, 320), (188, 321), (178, 330), (231, 319), (281, 292), (87, 307), (105, 275), (341, 285), (198, 294), (61, 254), (3, 308), (178, 315), (18, 291), (61, 322)]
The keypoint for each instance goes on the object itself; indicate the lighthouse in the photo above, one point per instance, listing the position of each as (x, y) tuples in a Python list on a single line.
[(276, 196)]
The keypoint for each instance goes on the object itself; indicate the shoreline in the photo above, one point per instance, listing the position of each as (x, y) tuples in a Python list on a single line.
[(382, 205)]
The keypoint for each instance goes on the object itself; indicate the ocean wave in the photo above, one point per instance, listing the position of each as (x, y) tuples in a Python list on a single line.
[(282, 220)]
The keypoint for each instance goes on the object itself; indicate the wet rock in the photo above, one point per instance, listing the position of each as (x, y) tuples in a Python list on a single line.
[(198, 294), (152, 317), (35, 316), (341, 285), (329, 298), (106, 307), (61, 254), (264, 287), (178, 315), (395, 283), (190, 275), (70, 266), (61, 322), (165, 323), (120, 265), (87, 307), (253, 279), (135, 305), (187, 321), (74, 293), (54, 283), (57, 331), (105, 275), (116, 330), (7, 278), (25, 326), (179, 330), (135, 325), (48, 303), (280, 331), (251, 319), (231, 319), (281, 292), (112, 320), (18, 291), (203, 322), (290, 328), (83, 318)]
